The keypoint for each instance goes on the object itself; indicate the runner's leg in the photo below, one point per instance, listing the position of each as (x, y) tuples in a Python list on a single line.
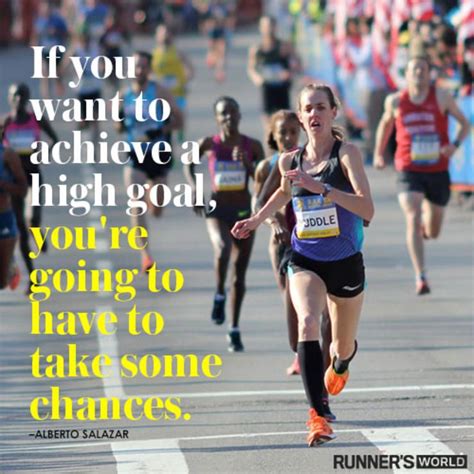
[(410, 202)]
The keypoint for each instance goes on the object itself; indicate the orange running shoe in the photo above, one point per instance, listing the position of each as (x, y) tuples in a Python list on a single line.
[(14, 277), (294, 368), (333, 381), (147, 263), (319, 430)]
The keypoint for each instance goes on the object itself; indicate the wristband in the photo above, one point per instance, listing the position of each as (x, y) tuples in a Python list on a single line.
[(327, 189), (457, 143)]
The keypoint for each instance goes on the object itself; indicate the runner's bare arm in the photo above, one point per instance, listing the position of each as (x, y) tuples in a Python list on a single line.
[(176, 117), (252, 72), (385, 129), (258, 155), (262, 171), (270, 185), (19, 187), (360, 203), (268, 182), (294, 59), (205, 144), (188, 66), (280, 197), (46, 127), (448, 104)]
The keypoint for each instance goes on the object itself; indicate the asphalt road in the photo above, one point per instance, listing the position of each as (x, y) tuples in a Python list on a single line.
[(410, 391)]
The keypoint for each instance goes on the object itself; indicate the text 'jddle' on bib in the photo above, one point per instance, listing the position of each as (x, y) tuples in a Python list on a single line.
[(316, 217)]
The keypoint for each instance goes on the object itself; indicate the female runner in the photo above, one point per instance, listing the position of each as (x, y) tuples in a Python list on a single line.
[(331, 198), (231, 158)]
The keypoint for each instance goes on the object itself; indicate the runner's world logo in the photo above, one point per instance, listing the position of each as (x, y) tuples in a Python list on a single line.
[(396, 461)]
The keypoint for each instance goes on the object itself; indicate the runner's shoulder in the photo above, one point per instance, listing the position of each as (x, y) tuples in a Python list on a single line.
[(262, 170), (205, 143), (350, 153), (392, 101), (286, 159)]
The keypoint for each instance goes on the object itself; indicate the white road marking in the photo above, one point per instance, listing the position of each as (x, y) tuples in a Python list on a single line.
[(96, 225), (109, 345), (157, 456), (406, 430), (259, 393), (101, 245), (94, 213), (412, 441)]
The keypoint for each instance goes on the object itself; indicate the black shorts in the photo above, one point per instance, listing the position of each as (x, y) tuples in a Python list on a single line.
[(285, 253), (8, 228), (343, 278), (434, 186), (275, 97), (229, 215), (89, 96), (150, 167), (30, 168), (216, 33)]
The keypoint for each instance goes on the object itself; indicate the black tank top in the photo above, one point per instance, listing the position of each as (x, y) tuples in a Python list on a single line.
[(270, 63), (350, 238), (331, 174)]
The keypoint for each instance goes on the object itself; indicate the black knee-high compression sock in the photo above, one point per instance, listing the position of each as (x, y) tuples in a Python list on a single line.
[(341, 365), (312, 373)]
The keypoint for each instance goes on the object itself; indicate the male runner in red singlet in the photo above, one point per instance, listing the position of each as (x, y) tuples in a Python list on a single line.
[(420, 116)]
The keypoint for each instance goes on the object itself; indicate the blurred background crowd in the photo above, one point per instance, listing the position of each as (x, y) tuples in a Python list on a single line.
[(360, 47)]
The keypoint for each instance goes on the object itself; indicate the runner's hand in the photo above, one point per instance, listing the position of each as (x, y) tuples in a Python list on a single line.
[(243, 229), (285, 75), (448, 150), (258, 81), (304, 180), (281, 234), (379, 162), (198, 210)]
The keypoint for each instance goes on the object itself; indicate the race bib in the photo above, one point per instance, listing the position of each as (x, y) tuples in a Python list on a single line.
[(316, 217), (425, 149), (21, 140), (271, 73), (229, 176)]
